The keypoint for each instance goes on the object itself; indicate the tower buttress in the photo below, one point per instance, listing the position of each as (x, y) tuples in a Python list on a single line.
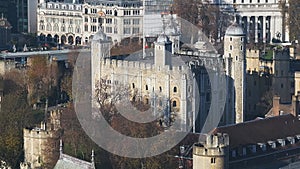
[(163, 51), (235, 65), (100, 49)]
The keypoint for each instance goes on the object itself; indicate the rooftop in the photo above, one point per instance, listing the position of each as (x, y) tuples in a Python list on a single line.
[(261, 130), (235, 30), (66, 161)]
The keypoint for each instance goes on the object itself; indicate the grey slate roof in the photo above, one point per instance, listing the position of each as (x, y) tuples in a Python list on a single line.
[(68, 162)]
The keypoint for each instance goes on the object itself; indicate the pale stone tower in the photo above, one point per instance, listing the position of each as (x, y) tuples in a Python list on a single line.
[(163, 51), (234, 56), (41, 144), (213, 153), (100, 49)]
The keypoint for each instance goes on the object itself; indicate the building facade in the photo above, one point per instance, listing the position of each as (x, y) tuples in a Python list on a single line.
[(5, 33), (75, 24), (262, 20), (277, 75)]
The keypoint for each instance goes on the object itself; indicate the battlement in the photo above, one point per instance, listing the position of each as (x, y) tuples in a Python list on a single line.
[(217, 140), (114, 63), (253, 53), (40, 133), (214, 145)]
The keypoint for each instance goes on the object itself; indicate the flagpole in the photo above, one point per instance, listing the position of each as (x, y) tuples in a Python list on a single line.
[(144, 36)]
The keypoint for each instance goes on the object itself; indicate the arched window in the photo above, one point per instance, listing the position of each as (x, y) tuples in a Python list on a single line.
[(146, 87), (63, 28), (160, 89), (133, 86), (174, 103), (70, 29), (55, 28), (147, 101), (78, 30), (49, 28), (42, 27), (230, 47), (175, 89)]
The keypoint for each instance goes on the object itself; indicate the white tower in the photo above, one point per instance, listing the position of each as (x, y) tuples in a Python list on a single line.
[(234, 56), (100, 49), (163, 51)]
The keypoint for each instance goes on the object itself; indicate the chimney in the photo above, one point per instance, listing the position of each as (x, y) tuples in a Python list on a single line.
[(276, 104)]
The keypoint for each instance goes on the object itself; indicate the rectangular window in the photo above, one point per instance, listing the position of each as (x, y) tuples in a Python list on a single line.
[(115, 30), (135, 30), (108, 29), (136, 21), (94, 28), (136, 12), (127, 22), (127, 31), (108, 20), (213, 160), (108, 12), (86, 19), (127, 12), (86, 28)]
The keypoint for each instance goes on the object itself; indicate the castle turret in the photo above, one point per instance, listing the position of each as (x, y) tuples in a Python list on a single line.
[(234, 55), (173, 33), (100, 49), (212, 153), (163, 51), (41, 144)]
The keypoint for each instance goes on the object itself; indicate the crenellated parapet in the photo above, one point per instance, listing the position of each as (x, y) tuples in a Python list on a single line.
[(140, 66), (213, 145), (212, 153)]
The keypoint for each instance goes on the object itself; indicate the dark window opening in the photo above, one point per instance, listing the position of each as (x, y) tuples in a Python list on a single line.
[(174, 104), (175, 89), (213, 160), (147, 101)]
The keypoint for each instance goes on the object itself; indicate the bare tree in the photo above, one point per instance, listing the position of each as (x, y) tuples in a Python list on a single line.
[(41, 77)]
